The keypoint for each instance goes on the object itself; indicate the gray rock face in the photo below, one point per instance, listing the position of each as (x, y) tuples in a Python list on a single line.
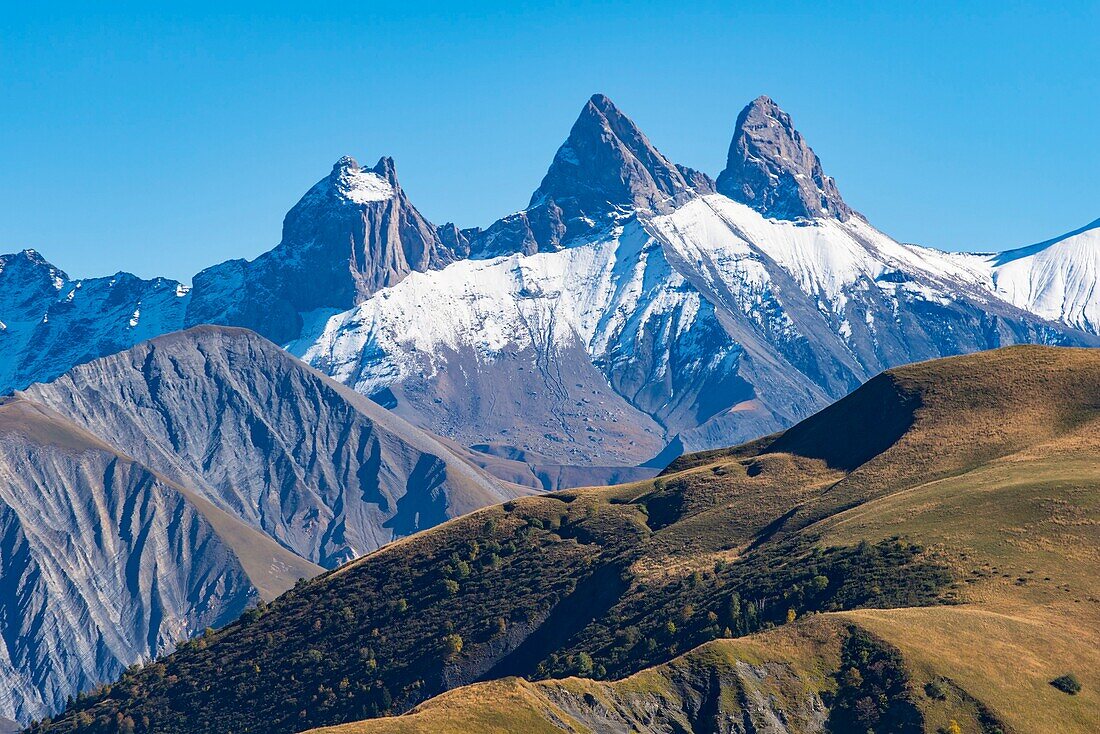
[(771, 168), (324, 471), (104, 563), (354, 232), (605, 170)]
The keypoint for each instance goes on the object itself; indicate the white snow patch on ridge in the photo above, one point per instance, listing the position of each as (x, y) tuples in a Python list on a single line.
[(1056, 279), (362, 186), (731, 244)]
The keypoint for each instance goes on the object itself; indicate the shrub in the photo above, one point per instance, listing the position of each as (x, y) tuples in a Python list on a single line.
[(452, 645), (1067, 683), (936, 690)]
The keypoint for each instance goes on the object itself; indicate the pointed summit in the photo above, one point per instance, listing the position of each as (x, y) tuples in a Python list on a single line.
[(605, 170), (772, 169), (353, 233), (608, 162)]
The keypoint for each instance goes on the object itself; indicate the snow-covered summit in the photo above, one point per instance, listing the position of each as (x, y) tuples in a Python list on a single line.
[(353, 232), (357, 184), (1056, 279)]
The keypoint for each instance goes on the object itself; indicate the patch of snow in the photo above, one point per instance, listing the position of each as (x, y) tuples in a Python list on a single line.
[(1056, 280), (362, 186)]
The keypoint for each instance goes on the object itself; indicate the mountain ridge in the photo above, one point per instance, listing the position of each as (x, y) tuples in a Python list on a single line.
[(241, 421), (87, 532), (167, 488)]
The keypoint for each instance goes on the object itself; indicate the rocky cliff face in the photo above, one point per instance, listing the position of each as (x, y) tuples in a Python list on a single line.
[(104, 563), (606, 170), (354, 232), (321, 469), (772, 169)]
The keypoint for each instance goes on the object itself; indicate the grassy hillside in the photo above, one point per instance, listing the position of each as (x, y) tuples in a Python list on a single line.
[(933, 532)]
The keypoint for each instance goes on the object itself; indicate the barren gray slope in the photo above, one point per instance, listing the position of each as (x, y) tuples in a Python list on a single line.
[(103, 563), (323, 470)]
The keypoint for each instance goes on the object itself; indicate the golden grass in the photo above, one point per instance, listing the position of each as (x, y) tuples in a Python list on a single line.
[(810, 649)]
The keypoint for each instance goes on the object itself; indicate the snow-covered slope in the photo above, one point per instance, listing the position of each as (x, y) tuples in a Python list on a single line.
[(1056, 279), (586, 355), (661, 313)]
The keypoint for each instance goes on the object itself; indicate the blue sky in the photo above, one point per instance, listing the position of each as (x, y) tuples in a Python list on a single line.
[(163, 142)]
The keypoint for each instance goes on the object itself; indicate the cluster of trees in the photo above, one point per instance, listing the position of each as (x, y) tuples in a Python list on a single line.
[(773, 585)]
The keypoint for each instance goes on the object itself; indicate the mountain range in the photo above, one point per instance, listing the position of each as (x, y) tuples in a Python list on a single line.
[(176, 456), (634, 310)]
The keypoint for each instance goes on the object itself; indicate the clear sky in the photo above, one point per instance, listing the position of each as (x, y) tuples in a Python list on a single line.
[(162, 142)]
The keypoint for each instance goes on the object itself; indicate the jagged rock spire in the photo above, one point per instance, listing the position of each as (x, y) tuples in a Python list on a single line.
[(607, 160), (771, 168), (353, 233), (606, 168)]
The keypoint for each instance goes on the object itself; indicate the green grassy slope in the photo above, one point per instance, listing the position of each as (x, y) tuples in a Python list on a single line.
[(953, 502)]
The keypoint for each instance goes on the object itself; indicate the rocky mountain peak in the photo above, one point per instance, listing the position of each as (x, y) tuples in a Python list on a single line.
[(607, 162), (605, 170), (771, 168), (354, 232), (357, 185), (387, 170)]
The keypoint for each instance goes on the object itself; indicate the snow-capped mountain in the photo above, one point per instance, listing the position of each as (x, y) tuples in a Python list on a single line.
[(644, 309), (50, 322), (1056, 279), (353, 233), (634, 309)]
